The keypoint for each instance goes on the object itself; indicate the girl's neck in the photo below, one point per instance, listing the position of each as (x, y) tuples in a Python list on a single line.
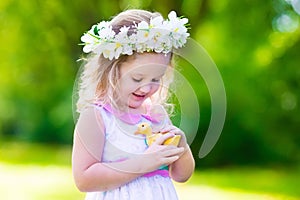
[(131, 110)]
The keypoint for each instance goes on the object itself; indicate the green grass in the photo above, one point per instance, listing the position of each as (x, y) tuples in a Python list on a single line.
[(32, 182), (268, 183), (33, 171)]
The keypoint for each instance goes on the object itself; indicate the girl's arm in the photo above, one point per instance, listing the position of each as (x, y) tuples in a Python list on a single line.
[(90, 174), (182, 169)]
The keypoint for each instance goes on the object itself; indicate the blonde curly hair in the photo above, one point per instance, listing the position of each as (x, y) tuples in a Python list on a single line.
[(98, 81)]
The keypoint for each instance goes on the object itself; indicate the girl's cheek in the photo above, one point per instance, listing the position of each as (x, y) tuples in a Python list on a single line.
[(154, 88)]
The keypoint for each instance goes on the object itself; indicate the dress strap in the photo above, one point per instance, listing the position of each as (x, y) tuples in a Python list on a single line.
[(106, 116)]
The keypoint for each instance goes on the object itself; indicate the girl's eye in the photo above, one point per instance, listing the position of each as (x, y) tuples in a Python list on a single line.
[(137, 80), (155, 80)]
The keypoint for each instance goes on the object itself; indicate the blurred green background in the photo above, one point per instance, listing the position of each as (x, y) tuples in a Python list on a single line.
[(255, 45)]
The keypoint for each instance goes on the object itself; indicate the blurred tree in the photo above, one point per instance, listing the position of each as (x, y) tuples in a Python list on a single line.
[(251, 53)]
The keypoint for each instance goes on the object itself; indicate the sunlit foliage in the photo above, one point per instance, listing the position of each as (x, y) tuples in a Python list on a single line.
[(254, 43)]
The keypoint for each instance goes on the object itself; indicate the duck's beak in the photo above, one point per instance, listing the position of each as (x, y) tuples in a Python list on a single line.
[(136, 133)]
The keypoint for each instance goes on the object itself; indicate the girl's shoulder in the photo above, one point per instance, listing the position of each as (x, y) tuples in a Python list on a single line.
[(90, 115)]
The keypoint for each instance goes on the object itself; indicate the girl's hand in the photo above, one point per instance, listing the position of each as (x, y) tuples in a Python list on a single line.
[(158, 154), (176, 131), (155, 156)]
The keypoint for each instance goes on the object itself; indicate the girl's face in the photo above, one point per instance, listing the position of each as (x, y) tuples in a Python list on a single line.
[(140, 78)]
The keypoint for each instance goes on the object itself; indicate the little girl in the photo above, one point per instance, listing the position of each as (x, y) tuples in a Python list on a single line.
[(124, 82)]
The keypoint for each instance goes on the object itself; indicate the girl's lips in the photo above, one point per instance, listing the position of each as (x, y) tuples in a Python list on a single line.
[(138, 96)]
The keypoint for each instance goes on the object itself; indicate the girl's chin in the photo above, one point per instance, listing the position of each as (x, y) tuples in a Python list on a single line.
[(135, 105), (136, 102)]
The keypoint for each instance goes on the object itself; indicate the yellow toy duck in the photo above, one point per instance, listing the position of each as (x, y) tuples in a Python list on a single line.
[(144, 128)]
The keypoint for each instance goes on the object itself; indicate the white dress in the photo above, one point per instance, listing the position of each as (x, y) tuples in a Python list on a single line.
[(120, 144)]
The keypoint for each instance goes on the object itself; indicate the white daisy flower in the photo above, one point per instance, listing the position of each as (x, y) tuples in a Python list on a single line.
[(90, 42), (159, 35)]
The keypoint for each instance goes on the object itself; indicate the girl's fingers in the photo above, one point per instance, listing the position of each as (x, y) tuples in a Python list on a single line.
[(170, 160), (162, 155), (160, 140), (166, 129), (173, 151), (172, 129)]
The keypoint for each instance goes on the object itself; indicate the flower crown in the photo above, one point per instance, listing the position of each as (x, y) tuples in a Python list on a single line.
[(159, 36)]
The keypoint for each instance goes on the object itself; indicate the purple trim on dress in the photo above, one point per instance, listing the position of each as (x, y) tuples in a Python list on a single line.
[(130, 118), (160, 172)]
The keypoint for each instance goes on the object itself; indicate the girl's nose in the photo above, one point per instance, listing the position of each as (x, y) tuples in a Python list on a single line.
[(145, 88)]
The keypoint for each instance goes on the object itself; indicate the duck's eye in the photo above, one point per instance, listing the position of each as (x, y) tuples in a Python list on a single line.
[(143, 125)]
